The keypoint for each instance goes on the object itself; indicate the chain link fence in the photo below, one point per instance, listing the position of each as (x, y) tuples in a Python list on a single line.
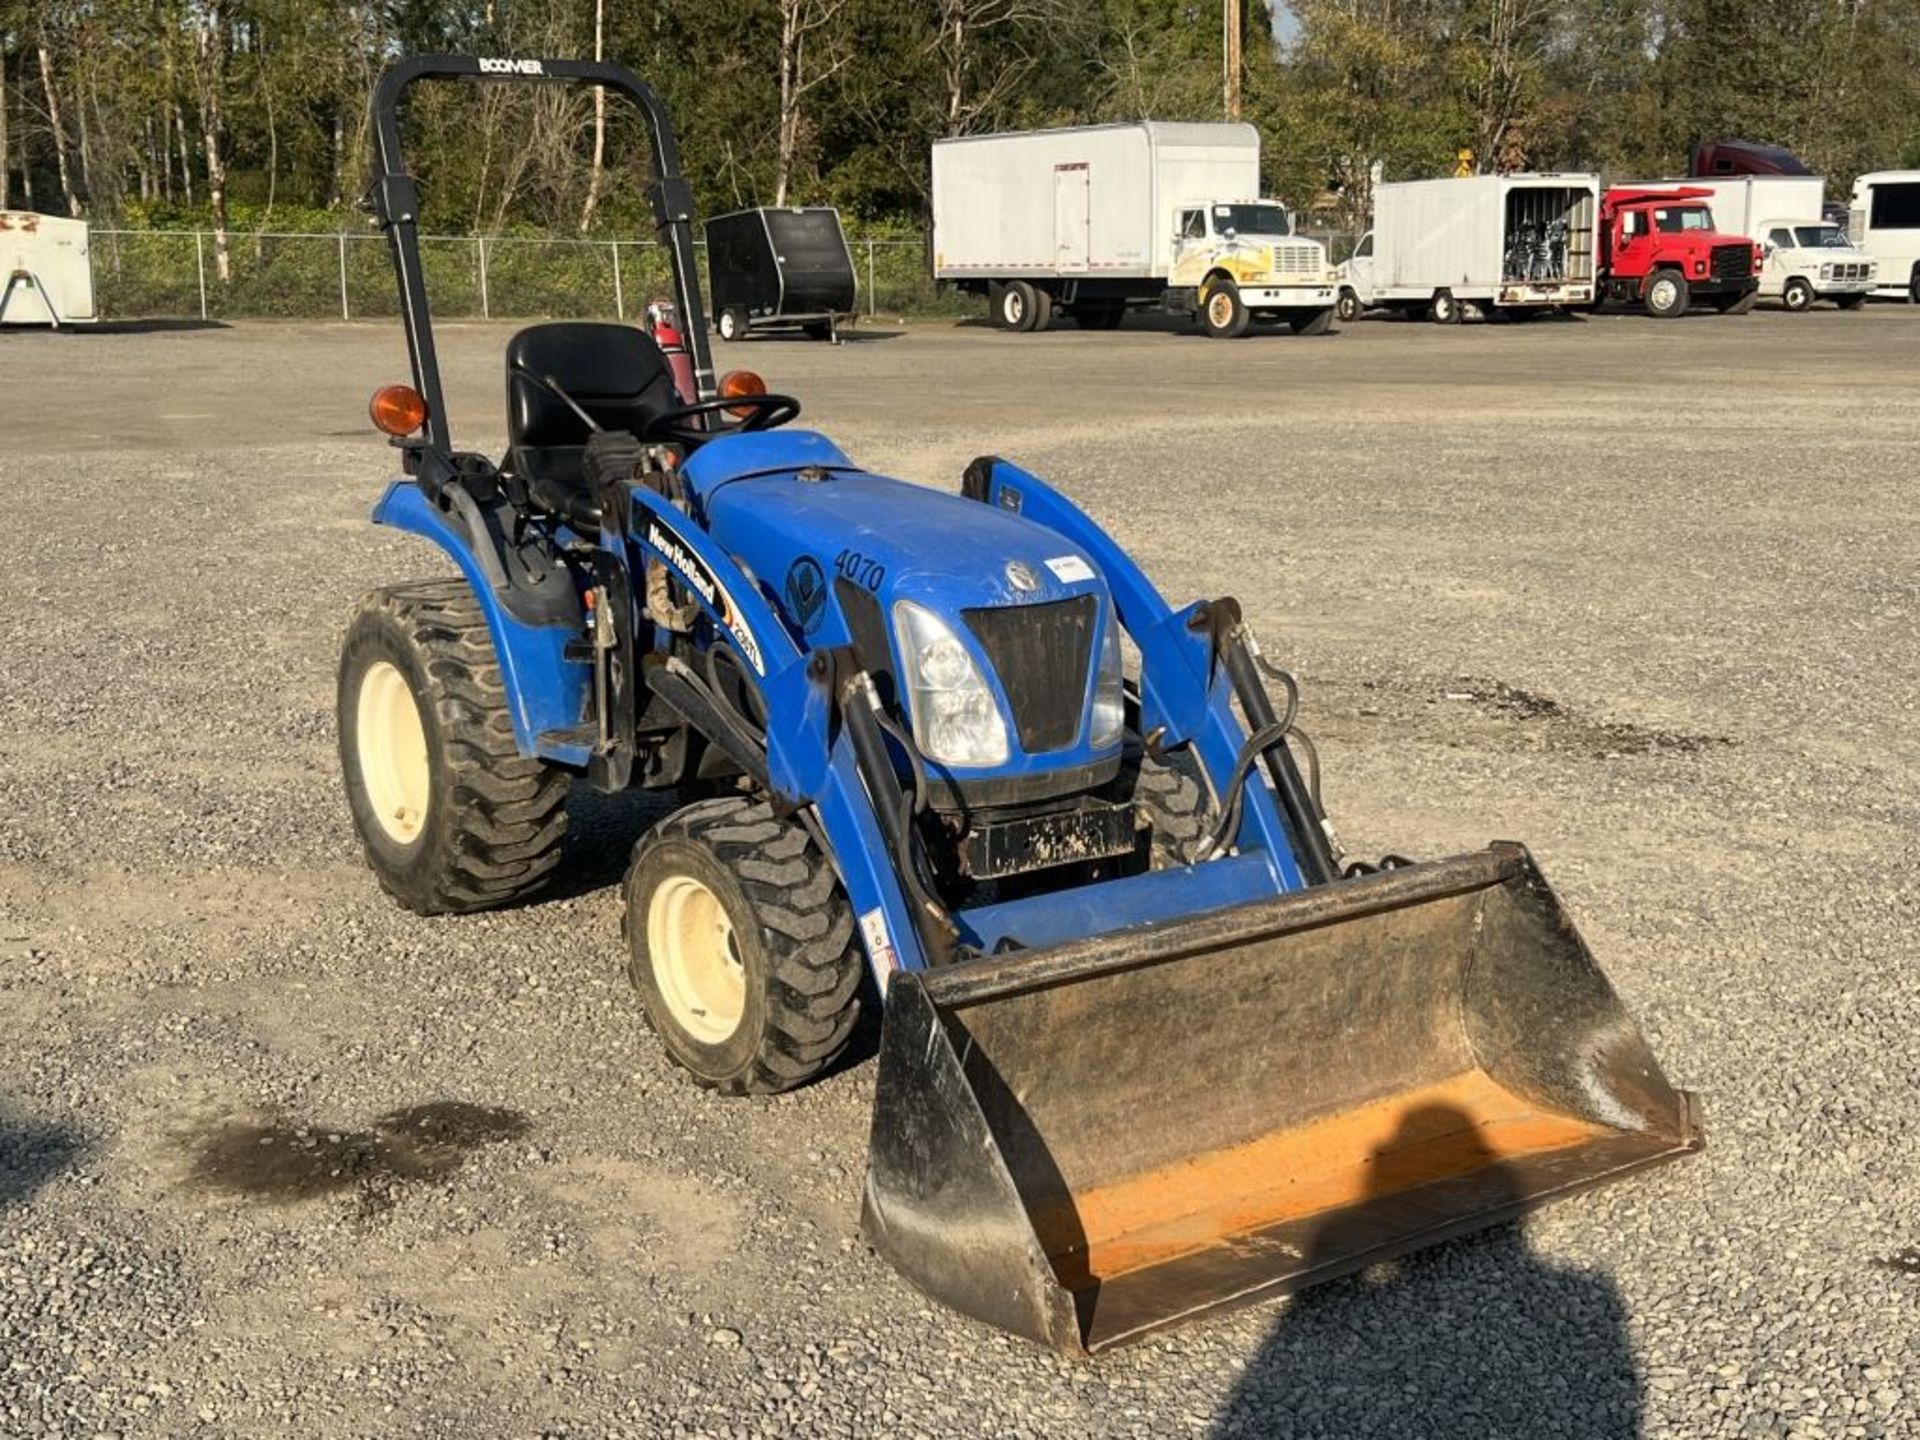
[(155, 273), (273, 274)]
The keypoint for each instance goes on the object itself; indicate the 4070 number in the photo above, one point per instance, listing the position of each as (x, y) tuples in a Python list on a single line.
[(861, 569)]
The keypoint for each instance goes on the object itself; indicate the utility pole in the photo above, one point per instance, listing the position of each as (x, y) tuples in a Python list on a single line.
[(1230, 57)]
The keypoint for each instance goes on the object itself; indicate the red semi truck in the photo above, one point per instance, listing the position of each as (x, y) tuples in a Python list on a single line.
[(1659, 250)]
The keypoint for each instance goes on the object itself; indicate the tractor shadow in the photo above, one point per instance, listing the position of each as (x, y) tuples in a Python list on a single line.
[(601, 833), (31, 1154), (1475, 1339)]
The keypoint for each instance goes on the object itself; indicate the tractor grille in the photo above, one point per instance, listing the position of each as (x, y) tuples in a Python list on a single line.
[(1732, 262), (1041, 654), (1297, 260)]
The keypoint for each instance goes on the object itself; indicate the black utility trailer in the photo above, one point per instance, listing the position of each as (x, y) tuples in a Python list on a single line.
[(784, 269)]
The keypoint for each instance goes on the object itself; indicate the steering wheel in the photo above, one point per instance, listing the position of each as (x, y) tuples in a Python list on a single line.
[(676, 423)]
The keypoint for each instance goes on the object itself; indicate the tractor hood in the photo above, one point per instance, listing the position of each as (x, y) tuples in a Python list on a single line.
[(892, 539), (835, 549)]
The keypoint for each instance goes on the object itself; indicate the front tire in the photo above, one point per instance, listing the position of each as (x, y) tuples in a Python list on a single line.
[(451, 816), (1798, 295), (1347, 307), (1668, 295), (741, 947), (1223, 314)]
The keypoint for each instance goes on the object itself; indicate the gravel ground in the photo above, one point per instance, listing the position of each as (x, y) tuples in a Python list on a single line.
[(276, 1158)]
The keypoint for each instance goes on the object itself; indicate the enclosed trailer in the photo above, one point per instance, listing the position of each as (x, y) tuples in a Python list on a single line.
[(1808, 257), (1487, 242), (1095, 218), (1885, 222), (780, 269), (46, 270)]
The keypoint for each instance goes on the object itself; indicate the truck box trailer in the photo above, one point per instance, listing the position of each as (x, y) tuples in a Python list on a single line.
[(1097, 218), (46, 270), (1884, 221), (1479, 242), (1806, 256)]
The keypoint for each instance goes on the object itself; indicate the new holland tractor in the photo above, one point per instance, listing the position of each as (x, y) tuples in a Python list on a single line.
[(1148, 1048)]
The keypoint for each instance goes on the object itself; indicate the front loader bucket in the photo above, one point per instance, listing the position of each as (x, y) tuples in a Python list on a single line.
[(1089, 1143)]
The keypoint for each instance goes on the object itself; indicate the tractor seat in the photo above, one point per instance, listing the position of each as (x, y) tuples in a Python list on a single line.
[(615, 372)]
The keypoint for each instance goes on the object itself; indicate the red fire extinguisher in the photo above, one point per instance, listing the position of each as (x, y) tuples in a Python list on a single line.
[(663, 322)]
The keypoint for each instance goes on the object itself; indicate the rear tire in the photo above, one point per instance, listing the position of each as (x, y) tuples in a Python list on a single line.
[(1444, 309), (451, 816), (1668, 295), (1223, 314), (1798, 295), (1015, 306), (1348, 307), (741, 947), (733, 323)]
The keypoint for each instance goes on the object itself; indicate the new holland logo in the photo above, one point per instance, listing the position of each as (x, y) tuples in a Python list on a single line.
[(680, 555), (493, 65), (806, 592)]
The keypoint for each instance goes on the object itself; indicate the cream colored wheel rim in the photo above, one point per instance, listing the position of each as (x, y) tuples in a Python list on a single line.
[(1665, 292), (696, 959), (1220, 309), (392, 747)]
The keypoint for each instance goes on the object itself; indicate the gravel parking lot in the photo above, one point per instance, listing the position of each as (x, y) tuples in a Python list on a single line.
[(277, 1158)]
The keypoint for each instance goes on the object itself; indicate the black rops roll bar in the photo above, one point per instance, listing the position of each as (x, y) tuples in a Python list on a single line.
[(396, 202)]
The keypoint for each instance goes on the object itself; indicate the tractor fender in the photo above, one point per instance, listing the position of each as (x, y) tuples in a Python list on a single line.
[(546, 691)]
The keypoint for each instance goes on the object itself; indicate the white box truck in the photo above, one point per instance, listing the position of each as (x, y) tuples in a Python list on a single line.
[(1884, 221), (1808, 257), (1097, 218), (46, 272), (1477, 243)]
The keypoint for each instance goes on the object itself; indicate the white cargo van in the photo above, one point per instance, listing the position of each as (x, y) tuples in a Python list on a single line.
[(1097, 218), (46, 271), (1479, 243), (1808, 257), (1884, 221)]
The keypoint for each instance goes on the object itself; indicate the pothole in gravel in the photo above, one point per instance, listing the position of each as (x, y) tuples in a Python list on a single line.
[(279, 1163), (1500, 701)]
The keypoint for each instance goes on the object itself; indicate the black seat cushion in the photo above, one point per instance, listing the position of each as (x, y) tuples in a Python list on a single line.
[(615, 372)]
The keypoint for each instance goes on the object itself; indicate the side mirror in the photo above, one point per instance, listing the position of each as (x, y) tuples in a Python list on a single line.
[(1229, 233)]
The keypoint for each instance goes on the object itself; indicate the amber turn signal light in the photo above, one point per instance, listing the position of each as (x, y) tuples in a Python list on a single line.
[(397, 410), (736, 383)]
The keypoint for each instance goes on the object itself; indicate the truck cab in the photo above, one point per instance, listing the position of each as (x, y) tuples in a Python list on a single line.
[(1660, 250), (1808, 260), (1252, 243)]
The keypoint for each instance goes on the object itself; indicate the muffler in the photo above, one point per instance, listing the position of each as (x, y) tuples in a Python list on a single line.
[(1086, 1144)]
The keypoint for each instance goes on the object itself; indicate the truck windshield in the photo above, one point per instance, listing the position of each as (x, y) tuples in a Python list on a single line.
[(1821, 237), (1674, 218), (1250, 220)]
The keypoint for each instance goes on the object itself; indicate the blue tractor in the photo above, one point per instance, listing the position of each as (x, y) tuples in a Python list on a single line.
[(1148, 1047)]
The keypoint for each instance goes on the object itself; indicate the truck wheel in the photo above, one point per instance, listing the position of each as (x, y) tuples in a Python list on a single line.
[(1223, 314), (1444, 310), (452, 817), (1913, 287), (1016, 306), (1849, 302), (1798, 295), (1311, 322), (1347, 307), (1667, 295), (741, 947), (733, 323)]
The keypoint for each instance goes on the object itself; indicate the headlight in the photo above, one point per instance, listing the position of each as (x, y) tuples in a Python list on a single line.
[(955, 720), (1826, 272), (1109, 703)]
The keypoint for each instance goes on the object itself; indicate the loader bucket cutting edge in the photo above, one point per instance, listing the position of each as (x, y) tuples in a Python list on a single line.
[(1089, 1143)]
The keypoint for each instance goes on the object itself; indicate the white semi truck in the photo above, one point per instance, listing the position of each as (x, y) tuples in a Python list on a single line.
[(1808, 257), (1094, 219), (1476, 244), (1884, 221)]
